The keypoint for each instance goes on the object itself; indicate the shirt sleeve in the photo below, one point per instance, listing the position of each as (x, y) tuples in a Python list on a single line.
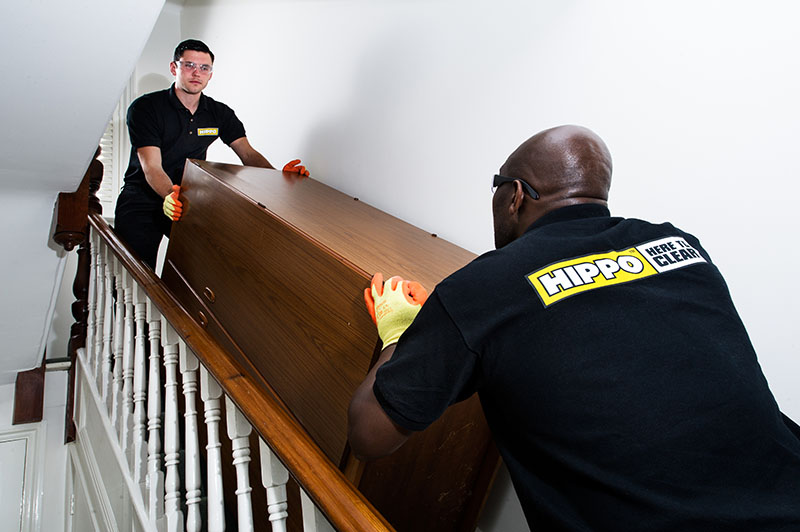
[(145, 125), (431, 369), (232, 128)]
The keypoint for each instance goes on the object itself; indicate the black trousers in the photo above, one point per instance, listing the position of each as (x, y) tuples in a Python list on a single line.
[(140, 223)]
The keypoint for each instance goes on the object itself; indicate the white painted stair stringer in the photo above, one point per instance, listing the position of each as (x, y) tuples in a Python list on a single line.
[(96, 437)]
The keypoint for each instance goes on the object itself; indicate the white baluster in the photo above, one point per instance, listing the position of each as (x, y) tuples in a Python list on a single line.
[(313, 519), (238, 431), (139, 461), (108, 330), (126, 396), (172, 484), (91, 302), (119, 339), (155, 476), (210, 392), (100, 303), (274, 476), (189, 367)]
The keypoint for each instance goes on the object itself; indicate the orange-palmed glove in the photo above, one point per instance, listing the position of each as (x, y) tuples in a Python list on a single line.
[(173, 208), (393, 305), (295, 167)]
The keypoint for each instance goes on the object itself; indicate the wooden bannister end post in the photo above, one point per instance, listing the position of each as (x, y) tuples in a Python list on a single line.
[(72, 229)]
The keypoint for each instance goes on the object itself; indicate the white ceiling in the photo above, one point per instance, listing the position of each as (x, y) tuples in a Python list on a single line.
[(65, 65)]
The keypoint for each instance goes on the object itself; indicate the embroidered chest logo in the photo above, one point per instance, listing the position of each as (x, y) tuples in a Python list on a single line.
[(574, 276), (207, 132)]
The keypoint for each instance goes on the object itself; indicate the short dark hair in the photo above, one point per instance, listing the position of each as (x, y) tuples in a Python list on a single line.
[(192, 44)]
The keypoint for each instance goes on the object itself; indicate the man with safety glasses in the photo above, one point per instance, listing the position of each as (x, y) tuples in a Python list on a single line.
[(166, 128), (615, 374)]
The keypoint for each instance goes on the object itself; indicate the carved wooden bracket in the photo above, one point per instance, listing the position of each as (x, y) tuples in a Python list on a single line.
[(72, 208)]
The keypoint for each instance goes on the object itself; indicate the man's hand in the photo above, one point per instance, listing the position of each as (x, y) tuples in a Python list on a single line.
[(173, 208), (393, 305), (295, 167)]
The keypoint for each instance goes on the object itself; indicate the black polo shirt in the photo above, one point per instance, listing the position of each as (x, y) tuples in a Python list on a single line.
[(615, 374), (160, 119)]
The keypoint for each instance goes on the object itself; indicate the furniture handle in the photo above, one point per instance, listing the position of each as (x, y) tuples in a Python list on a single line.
[(209, 294)]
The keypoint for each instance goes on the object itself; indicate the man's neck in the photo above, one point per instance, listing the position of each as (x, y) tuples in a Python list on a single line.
[(190, 101)]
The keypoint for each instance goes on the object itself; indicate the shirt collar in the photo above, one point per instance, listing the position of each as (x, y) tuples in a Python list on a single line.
[(571, 212), (173, 99)]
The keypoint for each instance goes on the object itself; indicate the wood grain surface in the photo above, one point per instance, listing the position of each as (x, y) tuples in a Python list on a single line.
[(368, 238)]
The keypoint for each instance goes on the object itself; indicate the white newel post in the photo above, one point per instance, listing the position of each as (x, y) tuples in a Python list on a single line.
[(139, 462), (189, 365), (211, 393), (172, 483), (313, 519), (126, 402), (239, 431), (274, 476), (155, 476), (108, 329)]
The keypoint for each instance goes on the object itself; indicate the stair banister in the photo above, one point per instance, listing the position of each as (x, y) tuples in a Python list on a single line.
[(318, 477)]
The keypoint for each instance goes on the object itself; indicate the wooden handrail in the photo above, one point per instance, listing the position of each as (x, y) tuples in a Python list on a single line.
[(344, 506)]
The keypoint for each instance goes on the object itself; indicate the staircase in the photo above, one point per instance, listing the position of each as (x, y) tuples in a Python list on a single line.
[(144, 456)]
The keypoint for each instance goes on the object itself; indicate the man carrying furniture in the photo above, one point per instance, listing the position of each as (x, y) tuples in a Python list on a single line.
[(166, 128), (616, 376)]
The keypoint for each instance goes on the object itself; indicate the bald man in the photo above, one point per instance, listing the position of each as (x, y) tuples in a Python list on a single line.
[(618, 381)]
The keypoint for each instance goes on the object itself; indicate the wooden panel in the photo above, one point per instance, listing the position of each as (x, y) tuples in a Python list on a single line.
[(446, 470), (29, 396), (369, 239), (278, 295), (277, 265)]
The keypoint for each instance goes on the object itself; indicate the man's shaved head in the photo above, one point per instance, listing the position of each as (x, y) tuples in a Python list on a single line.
[(565, 165), (565, 161)]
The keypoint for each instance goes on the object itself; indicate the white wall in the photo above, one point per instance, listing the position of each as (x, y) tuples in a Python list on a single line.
[(61, 79), (50, 470), (152, 70), (412, 106)]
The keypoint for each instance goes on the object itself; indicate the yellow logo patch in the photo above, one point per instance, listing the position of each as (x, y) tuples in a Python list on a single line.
[(207, 132), (574, 276)]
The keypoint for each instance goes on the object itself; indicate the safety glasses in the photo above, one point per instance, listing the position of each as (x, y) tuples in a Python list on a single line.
[(499, 180)]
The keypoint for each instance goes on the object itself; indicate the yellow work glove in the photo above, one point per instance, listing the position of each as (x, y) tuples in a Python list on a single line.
[(393, 305), (295, 167), (172, 206)]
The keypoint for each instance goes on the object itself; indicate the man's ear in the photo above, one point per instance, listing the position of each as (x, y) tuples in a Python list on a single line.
[(517, 198), (173, 68)]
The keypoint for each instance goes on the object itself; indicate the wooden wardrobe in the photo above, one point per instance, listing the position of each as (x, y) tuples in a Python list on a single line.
[(274, 266)]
